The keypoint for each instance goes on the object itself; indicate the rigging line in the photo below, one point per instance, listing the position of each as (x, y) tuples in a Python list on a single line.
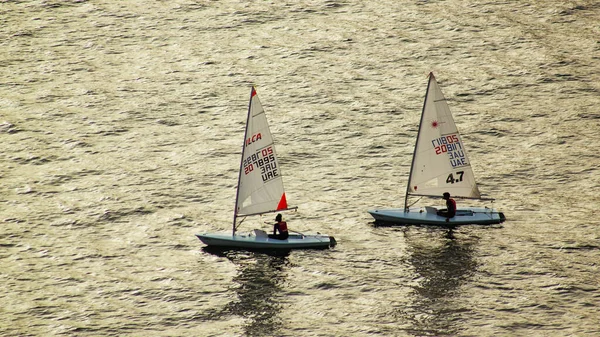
[(453, 196), (475, 212), (238, 224), (271, 211), (414, 202), (296, 232)]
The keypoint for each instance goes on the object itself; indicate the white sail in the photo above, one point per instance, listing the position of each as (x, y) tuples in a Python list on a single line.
[(440, 163), (260, 185)]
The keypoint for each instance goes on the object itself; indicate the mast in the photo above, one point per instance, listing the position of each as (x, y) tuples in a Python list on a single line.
[(237, 194), (412, 164)]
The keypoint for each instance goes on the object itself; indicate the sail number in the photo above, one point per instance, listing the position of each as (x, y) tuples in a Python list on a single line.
[(264, 159), (451, 145), (446, 143), (447, 139), (452, 180)]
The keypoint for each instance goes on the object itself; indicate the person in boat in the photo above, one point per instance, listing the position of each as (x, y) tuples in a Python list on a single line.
[(281, 227), (450, 210)]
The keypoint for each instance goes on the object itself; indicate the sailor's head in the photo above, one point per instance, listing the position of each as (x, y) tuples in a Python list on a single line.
[(446, 195), (278, 217)]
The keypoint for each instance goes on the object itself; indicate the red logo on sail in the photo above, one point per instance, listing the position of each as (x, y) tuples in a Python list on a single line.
[(253, 138)]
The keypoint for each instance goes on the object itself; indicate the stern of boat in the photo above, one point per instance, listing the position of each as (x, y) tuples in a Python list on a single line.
[(332, 242), (502, 217)]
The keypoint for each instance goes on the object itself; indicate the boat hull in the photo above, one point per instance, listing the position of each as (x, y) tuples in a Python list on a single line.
[(250, 241), (428, 216)]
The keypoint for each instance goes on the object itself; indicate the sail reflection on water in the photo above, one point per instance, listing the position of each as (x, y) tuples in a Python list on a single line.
[(257, 286), (444, 265)]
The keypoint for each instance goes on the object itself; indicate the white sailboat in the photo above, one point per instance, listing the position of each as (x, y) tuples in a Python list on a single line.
[(440, 164), (260, 191)]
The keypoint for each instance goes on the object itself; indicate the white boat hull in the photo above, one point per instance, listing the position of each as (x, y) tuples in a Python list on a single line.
[(252, 241), (428, 216)]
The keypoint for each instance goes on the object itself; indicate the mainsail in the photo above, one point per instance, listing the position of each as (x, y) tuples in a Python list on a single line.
[(260, 184), (440, 163)]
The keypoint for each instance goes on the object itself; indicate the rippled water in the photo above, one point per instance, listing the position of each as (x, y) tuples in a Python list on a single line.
[(122, 121)]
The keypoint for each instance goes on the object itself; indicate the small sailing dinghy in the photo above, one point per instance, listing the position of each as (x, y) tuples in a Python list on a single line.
[(439, 165), (260, 191)]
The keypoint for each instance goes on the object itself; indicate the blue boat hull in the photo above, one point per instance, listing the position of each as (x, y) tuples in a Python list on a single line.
[(428, 216), (250, 241)]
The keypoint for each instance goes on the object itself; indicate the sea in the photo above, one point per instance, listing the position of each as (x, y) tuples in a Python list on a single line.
[(122, 123)]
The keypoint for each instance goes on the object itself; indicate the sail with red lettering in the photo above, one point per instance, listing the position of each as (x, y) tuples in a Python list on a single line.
[(440, 163), (260, 190), (260, 184)]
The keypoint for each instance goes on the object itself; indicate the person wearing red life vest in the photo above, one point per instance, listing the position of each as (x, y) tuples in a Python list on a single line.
[(450, 210), (281, 227)]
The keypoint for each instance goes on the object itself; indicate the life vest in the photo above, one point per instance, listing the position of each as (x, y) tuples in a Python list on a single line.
[(451, 206), (282, 226)]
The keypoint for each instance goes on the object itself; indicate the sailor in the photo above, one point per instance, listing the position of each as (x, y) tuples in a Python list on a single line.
[(281, 227), (450, 210)]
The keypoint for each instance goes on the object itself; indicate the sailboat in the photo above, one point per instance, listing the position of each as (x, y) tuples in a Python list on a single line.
[(440, 164), (260, 191)]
